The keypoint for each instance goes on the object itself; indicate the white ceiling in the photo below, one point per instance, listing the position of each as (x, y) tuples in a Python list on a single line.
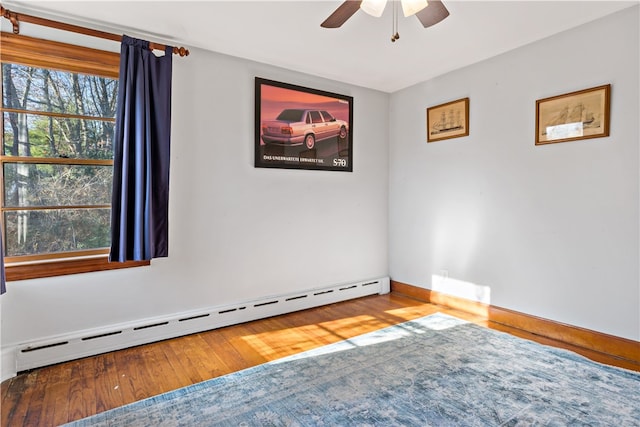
[(288, 33)]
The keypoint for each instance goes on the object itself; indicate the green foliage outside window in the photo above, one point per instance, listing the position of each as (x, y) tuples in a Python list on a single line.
[(57, 154)]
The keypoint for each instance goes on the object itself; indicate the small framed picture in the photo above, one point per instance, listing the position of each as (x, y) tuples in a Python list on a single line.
[(450, 120), (573, 116)]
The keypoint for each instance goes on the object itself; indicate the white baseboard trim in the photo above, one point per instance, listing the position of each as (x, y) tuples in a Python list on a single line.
[(89, 342)]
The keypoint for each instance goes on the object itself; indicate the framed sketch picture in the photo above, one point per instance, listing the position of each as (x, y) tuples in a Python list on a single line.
[(302, 128), (450, 120), (573, 116)]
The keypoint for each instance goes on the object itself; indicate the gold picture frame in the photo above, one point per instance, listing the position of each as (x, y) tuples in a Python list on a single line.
[(573, 116), (446, 121)]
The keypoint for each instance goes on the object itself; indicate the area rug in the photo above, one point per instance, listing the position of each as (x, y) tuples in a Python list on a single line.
[(434, 371)]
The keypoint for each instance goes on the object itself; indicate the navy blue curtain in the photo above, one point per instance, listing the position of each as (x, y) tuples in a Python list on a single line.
[(140, 199), (3, 289)]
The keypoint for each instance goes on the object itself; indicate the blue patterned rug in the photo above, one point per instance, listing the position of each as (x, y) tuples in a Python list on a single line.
[(434, 371)]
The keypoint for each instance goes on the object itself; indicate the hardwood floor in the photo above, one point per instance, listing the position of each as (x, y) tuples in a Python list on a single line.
[(69, 391)]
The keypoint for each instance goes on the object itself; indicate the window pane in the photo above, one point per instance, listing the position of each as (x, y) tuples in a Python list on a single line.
[(39, 89), (56, 185), (55, 231), (32, 135)]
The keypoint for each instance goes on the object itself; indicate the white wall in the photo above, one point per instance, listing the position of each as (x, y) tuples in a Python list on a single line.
[(550, 230), (237, 233)]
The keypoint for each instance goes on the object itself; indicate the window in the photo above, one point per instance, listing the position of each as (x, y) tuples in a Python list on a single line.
[(58, 109), (327, 117), (315, 117)]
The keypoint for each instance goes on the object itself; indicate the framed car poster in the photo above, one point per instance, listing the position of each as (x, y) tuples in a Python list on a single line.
[(302, 128)]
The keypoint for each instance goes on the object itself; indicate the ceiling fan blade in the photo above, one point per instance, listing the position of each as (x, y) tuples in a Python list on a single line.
[(341, 14), (433, 13)]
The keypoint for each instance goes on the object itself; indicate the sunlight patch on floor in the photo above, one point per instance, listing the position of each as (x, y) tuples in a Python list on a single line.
[(396, 332), (287, 341), (409, 313)]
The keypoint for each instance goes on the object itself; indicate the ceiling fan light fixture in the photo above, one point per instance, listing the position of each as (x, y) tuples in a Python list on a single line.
[(411, 7), (435, 12), (373, 7)]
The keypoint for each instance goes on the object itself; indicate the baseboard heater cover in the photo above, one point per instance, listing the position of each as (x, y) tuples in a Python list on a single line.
[(115, 337)]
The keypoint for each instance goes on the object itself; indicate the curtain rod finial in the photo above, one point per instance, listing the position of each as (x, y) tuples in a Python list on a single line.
[(181, 51)]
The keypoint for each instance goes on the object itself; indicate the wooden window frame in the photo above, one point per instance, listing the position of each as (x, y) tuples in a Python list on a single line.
[(30, 51)]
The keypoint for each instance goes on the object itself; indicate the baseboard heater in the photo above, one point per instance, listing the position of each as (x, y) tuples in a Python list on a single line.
[(115, 337)]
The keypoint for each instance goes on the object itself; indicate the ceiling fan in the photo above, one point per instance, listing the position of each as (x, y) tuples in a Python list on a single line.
[(428, 13)]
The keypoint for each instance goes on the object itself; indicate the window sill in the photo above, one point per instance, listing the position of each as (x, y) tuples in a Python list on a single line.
[(38, 270)]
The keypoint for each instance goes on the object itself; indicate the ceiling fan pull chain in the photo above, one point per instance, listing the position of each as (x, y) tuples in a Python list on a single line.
[(394, 25)]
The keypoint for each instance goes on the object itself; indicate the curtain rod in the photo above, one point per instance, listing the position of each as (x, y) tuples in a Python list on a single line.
[(15, 19)]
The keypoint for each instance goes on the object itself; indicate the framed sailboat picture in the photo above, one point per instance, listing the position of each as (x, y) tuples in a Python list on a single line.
[(573, 116), (450, 120)]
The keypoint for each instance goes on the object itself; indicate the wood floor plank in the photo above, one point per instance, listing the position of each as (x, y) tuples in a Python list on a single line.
[(215, 365), (190, 351), (33, 415), (269, 340), (108, 393), (157, 366), (128, 367), (218, 344), (55, 409), (89, 398), (193, 369), (78, 405), (66, 392), (235, 336), (15, 403)]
